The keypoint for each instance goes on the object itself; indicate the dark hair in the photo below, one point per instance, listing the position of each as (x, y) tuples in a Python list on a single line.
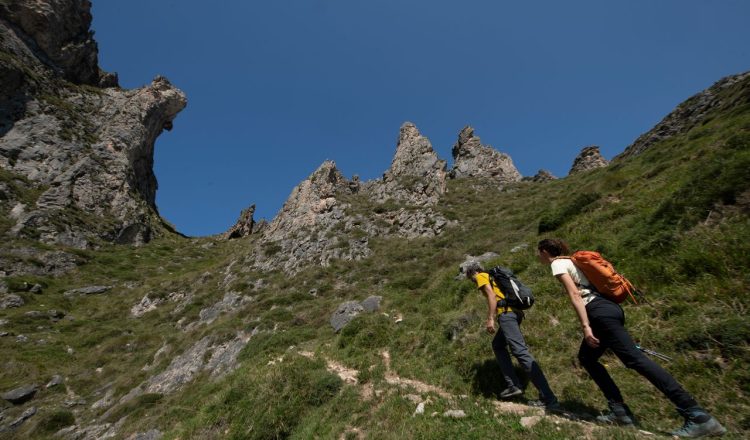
[(554, 246)]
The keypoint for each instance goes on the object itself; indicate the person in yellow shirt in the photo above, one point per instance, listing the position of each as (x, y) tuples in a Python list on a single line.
[(509, 335)]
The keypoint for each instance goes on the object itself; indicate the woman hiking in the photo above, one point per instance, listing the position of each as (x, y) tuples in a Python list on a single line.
[(603, 325), (509, 335)]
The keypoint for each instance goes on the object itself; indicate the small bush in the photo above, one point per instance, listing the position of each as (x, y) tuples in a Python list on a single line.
[(55, 421)]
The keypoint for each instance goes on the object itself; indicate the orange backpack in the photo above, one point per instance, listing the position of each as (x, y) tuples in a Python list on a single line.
[(603, 276)]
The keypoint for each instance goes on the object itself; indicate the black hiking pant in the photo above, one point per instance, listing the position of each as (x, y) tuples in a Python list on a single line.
[(607, 320)]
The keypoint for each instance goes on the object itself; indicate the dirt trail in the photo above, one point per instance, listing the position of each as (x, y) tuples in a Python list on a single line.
[(530, 415)]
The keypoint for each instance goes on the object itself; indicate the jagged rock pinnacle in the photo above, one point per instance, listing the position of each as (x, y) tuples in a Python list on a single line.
[(472, 159), (588, 159)]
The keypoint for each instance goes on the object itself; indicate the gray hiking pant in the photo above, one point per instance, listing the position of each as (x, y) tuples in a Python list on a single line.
[(509, 335)]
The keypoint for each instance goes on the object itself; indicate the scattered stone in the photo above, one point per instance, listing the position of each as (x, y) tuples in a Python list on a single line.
[(69, 403), (55, 315), (455, 414), (146, 305), (36, 289), (344, 314), (22, 339), (90, 290), (20, 394), (3, 334), (529, 421), (55, 381), (9, 301), (420, 409), (106, 401), (3, 321), (519, 248), (153, 434), (25, 416), (35, 314)]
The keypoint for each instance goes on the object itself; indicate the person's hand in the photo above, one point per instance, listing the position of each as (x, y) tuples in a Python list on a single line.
[(588, 336), (490, 326)]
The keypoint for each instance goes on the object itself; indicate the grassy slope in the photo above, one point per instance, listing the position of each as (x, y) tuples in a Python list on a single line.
[(649, 214)]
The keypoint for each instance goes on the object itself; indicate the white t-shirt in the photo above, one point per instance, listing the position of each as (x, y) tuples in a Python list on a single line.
[(565, 265)]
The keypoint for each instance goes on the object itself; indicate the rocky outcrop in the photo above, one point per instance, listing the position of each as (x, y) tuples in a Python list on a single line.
[(472, 159), (244, 225), (57, 32), (416, 176), (349, 310), (588, 159), (691, 112), (310, 227), (87, 151), (312, 204), (540, 176)]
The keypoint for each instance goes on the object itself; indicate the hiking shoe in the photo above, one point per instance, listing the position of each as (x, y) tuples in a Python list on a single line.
[(511, 391), (550, 407), (698, 423), (619, 414)]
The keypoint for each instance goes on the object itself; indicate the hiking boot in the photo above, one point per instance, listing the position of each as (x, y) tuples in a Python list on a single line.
[(511, 391), (698, 423), (619, 414), (550, 407)]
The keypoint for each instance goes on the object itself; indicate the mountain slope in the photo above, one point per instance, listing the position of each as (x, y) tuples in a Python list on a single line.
[(191, 340)]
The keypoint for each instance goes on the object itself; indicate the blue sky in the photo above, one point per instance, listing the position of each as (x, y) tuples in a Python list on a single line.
[(276, 87)]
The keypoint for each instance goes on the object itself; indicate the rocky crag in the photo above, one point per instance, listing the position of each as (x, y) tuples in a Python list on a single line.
[(328, 217), (472, 159), (691, 112), (77, 148), (588, 159)]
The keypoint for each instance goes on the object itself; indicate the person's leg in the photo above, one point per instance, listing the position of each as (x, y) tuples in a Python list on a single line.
[(510, 324), (499, 346), (589, 357), (698, 422), (621, 343)]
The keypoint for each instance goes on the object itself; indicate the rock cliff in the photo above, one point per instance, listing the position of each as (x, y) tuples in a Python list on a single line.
[(84, 153)]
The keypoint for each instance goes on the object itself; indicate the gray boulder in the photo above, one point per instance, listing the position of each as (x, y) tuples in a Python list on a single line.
[(20, 394), (24, 416), (344, 314), (371, 303), (90, 290), (9, 301)]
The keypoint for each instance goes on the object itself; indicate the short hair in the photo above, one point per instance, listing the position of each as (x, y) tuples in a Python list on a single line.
[(472, 266)]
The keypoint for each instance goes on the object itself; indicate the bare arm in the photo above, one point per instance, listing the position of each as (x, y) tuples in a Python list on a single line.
[(580, 308), (491, 307)]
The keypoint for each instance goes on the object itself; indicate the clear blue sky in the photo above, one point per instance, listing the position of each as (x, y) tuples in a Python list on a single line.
[(276, 87)]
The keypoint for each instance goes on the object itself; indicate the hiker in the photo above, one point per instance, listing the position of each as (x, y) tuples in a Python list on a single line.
[(603, 325), (509, 334)]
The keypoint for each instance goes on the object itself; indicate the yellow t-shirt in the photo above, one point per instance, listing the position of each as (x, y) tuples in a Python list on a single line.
[(482, 279)]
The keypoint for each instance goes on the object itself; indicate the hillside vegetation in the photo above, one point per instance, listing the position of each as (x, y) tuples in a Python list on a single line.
[(674, 219)]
